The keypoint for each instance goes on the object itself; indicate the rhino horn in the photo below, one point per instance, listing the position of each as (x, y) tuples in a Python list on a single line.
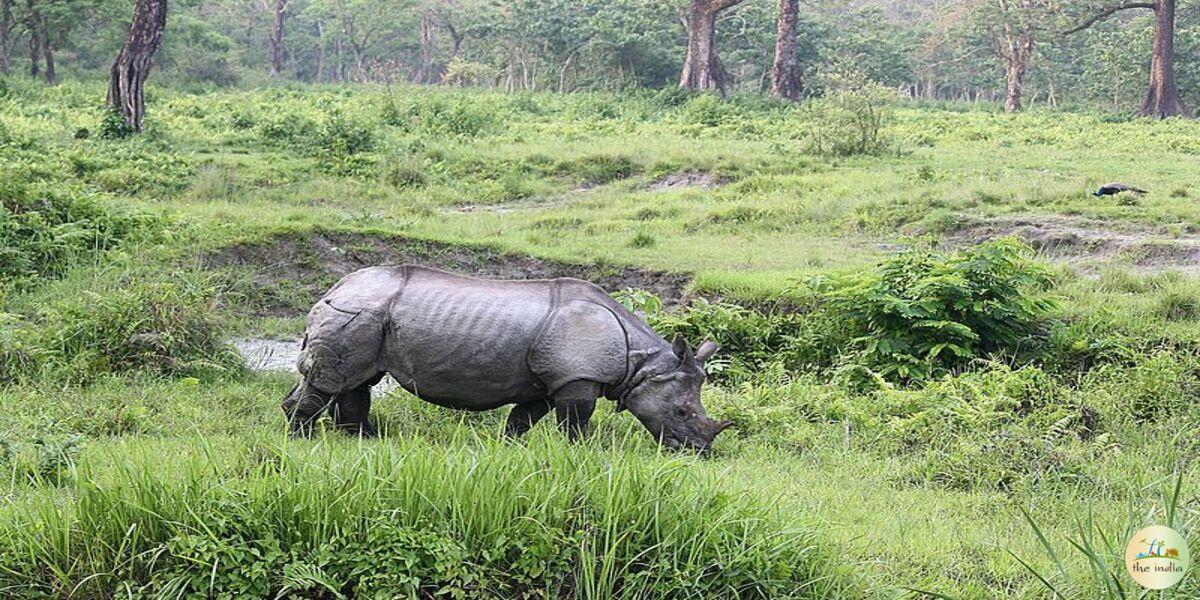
[(718, 427)]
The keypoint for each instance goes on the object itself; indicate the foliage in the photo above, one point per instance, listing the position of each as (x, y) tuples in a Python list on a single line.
[(406, 519), (44, 232), (924, 313), (162, 326), (850, 116)]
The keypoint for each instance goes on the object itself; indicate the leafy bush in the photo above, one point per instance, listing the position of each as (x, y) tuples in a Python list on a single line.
[(342, 135), (161, 326), (750, 340), (924, 313), (42, 234), (113, 125), (455, 115), (849, 118)]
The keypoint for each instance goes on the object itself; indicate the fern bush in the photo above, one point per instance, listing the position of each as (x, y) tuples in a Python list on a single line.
[(925, 313)]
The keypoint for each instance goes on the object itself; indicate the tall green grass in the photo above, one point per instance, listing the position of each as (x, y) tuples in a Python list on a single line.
[(403, 518)]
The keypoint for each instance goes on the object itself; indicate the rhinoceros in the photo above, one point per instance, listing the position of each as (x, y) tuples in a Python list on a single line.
[(478, 344)]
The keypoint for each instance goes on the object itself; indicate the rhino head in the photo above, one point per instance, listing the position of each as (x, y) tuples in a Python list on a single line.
[(665, 397)]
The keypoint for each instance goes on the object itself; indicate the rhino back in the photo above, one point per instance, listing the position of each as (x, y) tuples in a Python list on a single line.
[(462, 341)]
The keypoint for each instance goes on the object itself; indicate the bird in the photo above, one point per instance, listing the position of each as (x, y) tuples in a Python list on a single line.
[(1110, 189)]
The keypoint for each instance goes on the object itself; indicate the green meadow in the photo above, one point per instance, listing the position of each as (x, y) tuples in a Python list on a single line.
[(953, 372)]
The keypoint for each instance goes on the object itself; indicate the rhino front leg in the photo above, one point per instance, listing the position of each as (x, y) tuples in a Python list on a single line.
[(303, 406), (352, 410), (573, 405), (523, 417)]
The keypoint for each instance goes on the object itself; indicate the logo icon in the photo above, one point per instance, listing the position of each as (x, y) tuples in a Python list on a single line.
[(1157, 557)]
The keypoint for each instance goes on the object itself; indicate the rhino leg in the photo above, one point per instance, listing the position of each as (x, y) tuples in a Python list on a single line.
[(573, 406), (523, 417), (351, 411), (303, 406)]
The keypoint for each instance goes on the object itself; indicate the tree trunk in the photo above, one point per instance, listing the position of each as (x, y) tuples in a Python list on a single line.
[(320, 52), (1017, 65), (132, 67), (6, 27), (277, 38), (702, 69), (48, 55), (35, 40), (785, 74), (1162, 98), (427, 42)]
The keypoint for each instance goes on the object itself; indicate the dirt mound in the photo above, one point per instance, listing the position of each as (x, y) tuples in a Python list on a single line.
[(677, 181), (283, 275), (1080, 241)]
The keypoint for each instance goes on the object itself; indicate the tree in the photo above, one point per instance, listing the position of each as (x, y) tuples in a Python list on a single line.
[(278, 10), (129, 72), (702, 69), (1013, 27), (785, 73), (7, 25), (1162, 95)]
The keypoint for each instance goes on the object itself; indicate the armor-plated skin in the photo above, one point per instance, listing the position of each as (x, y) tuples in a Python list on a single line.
[(478, 344)]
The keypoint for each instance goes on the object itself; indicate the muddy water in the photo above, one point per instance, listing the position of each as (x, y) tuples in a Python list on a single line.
[(268, 355), (280, 357)]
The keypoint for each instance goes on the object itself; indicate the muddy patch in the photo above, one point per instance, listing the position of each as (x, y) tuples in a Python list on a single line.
[(1083, 243), (692, 179), (283, 275)]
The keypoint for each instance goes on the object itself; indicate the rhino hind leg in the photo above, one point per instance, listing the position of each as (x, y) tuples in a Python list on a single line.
[(523, 417)]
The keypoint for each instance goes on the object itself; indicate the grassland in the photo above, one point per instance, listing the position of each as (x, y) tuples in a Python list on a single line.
[(143, 460)]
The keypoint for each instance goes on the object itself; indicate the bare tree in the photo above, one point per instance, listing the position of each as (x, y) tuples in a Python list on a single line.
[(785, 73), (1162, 95), (702, 69), (126, 91)]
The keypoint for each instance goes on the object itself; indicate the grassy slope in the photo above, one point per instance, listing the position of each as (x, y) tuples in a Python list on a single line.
[(783, 215)]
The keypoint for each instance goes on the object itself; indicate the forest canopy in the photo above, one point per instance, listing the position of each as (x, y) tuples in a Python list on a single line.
[(1096, 53)]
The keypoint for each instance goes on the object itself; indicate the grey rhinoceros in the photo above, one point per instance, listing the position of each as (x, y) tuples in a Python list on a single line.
[(479, 344)]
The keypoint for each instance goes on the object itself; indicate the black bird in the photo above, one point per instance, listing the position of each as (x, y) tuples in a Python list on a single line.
[(1110, 189)]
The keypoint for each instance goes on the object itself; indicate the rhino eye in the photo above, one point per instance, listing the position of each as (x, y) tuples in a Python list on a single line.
[(681, 411)]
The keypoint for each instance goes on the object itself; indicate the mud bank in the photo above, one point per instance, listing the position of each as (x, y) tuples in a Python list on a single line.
[(282, 275)]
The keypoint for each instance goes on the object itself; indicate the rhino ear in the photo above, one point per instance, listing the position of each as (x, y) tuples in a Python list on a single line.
[(706, 351), (680, 347)]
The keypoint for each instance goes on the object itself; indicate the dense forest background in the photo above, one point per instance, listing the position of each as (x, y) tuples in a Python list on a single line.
[(926, 49)]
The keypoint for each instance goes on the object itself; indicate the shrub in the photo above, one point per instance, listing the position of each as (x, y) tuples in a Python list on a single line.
[(404, 173), (849, 118), (707, 110), (924, 313), (42, 234), (113, 125), (455, 115), (161, 326), (750, 340), (341, 136)]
